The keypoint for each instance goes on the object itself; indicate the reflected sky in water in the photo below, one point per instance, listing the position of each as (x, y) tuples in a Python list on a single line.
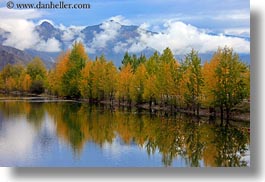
[(80, 135)]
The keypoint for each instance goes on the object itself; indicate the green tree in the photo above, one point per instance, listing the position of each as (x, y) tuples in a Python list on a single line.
[(110, 84), (36, 69), (167, 56), (150, 84), (133, 60), (232, 85), (195, 80), (11, 77), (98, 78), (85, 85), (137, 84), (165, 83), (150, 90), (152, 64), (71, 78), (103, 76), (38, 74), (127, 59)]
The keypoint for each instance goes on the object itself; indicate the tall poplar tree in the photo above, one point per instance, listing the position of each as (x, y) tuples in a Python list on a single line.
[(195, 81), (70, 80), (231, 86)]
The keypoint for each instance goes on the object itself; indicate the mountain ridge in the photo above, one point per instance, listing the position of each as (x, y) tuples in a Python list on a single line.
[(109, 38), (11, 55)]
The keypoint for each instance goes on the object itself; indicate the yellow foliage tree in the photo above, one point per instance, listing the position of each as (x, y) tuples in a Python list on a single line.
[(55, 76), (210, 79), (137, 84), (26, 83), (124, 81), (85, 85)]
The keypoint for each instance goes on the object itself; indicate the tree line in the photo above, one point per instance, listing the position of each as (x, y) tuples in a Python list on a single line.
[(158, 81)]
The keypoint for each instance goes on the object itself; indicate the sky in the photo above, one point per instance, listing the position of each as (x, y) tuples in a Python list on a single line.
[(197, 17)]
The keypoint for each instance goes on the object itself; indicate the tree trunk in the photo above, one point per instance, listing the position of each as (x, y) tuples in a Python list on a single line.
[(227, 115), (222, 114), (150, 103), (198, 109)]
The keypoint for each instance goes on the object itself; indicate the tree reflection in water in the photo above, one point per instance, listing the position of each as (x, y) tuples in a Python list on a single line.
[(198, 143)]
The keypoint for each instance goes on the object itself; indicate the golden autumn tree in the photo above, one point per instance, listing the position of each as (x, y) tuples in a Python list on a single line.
[(85, 84), (10, 84), (56, 75), (11, 77), (137, 84), (195, 81), (164, 83), (210, 80), (151, 92), (110, 85), (176, 74), (71, 78), (98, 76), (150, 89), (232, 87), (123, 85), (26, 82)]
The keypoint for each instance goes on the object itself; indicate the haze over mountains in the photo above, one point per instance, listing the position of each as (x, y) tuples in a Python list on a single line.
[(112, 39)]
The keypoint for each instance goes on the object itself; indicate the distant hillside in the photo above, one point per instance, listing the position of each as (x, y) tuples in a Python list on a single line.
[(49, 58), (10, 55)]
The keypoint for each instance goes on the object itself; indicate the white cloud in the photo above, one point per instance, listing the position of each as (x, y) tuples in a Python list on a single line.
[(12, 148), (109, 31), (120, 47), (181, 38), (51, 45), (72, 32), (115, 149), (144, 26), (137, 47), (22, 34), (21, 28)]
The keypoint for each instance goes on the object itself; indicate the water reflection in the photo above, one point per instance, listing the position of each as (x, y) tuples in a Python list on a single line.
[(117, 133)]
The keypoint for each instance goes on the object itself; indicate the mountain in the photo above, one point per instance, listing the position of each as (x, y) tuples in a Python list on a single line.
[(49, 58), (93, 38), (109, 38), (10, 55), (47, 31)]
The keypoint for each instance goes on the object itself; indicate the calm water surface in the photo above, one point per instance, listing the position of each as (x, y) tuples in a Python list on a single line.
[(72, 134)]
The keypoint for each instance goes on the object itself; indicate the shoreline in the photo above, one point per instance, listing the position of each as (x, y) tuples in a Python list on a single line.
[(204, 112)]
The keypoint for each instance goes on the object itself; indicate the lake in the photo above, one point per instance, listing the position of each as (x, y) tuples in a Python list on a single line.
[(71, 134)]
